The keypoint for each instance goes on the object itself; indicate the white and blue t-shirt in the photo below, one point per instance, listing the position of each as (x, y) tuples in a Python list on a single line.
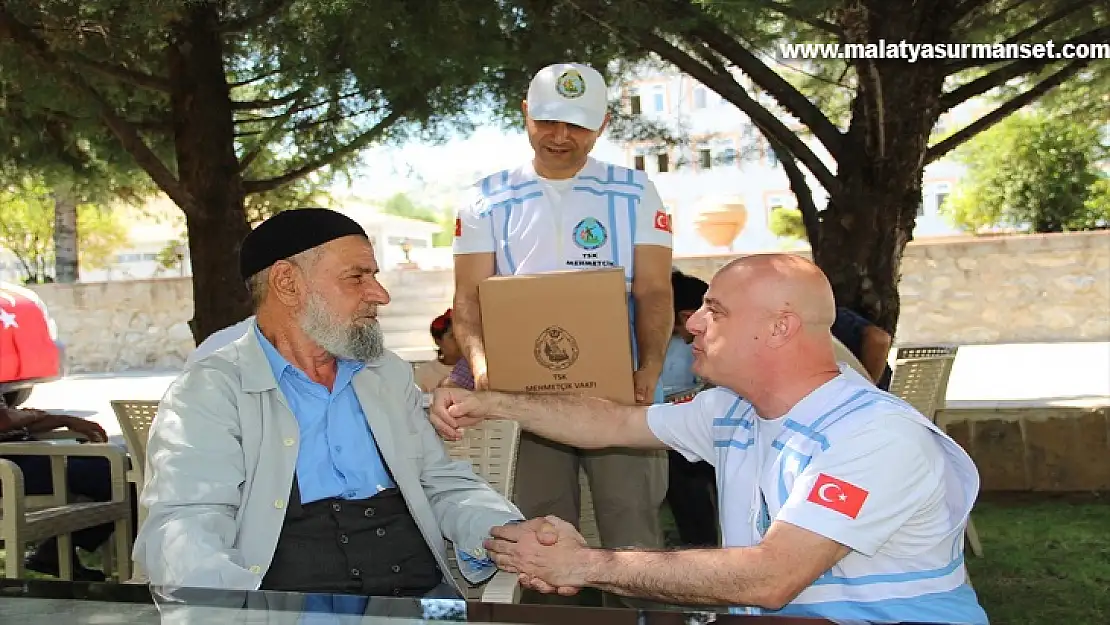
[(537, 225), (858, 466)]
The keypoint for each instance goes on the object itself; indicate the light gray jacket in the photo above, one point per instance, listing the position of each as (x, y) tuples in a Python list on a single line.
[(223, 450)]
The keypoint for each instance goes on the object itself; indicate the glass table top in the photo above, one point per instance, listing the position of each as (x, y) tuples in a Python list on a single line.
[(48, 602)]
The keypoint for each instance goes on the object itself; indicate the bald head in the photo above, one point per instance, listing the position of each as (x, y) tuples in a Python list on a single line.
[(764, 327), (783, 284)]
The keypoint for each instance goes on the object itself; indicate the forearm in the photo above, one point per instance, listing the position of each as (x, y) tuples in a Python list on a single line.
[(467, 328), (575, 420), (716, 577), (654, 325), (34, 422), (874, 353)]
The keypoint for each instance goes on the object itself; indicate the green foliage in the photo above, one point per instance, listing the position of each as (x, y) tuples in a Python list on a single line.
[(27, 230), (446, 235), (787, 223), (1032, 172), (403, 206)]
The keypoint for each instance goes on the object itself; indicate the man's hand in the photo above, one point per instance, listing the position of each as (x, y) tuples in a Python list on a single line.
[(481, 375), (547, 553), (454, 409), (89, 429), (645, 380)]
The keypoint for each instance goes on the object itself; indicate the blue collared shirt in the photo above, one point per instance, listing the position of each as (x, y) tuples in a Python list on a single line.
[(678, 368), (338, 455)]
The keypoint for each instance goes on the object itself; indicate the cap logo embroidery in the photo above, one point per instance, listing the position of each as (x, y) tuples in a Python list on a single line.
[(570, 84)]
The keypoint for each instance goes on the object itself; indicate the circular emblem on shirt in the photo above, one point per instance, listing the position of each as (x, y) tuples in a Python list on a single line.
[(556, 349), (570, 84), (589, 234)]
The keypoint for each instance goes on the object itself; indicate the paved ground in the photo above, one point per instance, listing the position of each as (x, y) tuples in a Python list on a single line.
[(1060, 371)]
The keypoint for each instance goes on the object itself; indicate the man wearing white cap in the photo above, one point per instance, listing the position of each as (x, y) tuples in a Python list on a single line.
[(564, 210)]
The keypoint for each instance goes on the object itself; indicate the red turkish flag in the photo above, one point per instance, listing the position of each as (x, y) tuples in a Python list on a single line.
[(26, 349), (838, 495), (662, 221)]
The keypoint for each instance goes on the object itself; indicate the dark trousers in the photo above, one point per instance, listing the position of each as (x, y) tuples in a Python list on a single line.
[(691, 495), (87, 477)]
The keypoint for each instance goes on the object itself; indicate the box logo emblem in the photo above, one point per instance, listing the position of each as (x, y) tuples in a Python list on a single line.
[(556, 349)]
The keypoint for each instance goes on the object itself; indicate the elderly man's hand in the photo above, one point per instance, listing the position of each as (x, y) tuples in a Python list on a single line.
[(547, 553), (454, 409)]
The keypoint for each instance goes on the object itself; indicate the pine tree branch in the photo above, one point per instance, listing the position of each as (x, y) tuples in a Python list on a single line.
[(375, 132), (268, 9), (728, 88), (119, 72), (39, 51), (788, 96), (1014, 104)]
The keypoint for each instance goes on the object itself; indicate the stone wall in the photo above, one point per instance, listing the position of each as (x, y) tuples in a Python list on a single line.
[(115, 326), (994, 290), (1046, 448), (1013, 289)]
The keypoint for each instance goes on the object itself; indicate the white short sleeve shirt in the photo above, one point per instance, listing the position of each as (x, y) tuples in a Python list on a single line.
[(858, 466), (535, 225)]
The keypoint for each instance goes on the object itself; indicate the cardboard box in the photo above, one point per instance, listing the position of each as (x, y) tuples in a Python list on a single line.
[(560, 332)]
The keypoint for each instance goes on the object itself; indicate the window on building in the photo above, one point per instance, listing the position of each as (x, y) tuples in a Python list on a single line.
[(659, 100), (634, 104), (705, 158), (663, 162), (699, 98), (640, 163)]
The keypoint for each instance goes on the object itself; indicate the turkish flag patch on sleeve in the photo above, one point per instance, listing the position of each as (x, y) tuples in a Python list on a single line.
[(662, 221), (837, 495), (458, 227)]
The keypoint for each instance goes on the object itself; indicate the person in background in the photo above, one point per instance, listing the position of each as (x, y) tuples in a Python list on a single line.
[(869, 343), (430, 374), (692, 485), (563, 210), (85, 476)]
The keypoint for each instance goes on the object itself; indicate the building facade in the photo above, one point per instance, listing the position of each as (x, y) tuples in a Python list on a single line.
[(727, 163)]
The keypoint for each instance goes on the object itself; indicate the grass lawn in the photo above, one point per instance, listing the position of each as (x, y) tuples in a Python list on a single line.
[(1046, 559)]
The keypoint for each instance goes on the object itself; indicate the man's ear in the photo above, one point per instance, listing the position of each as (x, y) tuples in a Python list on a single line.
[(286, 282), (783, 329)]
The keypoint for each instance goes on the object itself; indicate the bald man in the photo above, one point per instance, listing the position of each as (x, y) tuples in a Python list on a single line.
[(838, 500)]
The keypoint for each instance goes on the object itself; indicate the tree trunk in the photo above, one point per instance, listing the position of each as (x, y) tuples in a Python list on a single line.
[(65, 236), (208, 169), (870, 218)]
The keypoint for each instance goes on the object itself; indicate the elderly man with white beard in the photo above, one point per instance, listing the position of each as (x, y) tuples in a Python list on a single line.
[(298, 457)]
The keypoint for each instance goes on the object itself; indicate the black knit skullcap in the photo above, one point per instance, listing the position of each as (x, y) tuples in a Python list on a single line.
[(291, 232)]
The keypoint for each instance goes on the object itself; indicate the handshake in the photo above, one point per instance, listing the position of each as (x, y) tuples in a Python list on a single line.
[(547, 553), (455, 409)]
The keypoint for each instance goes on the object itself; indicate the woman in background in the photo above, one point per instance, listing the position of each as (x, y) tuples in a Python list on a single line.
[(430, 374)]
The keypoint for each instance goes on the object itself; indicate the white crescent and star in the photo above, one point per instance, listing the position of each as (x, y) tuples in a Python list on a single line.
[(9, 297), (822, 493), (7, 319)]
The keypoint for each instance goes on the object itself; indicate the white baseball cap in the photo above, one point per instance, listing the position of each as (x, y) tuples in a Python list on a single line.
[(569, 92)]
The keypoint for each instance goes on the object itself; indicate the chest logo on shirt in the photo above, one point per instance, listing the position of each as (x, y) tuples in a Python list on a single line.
[(556, 349), (590, 234), (837, 495)]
